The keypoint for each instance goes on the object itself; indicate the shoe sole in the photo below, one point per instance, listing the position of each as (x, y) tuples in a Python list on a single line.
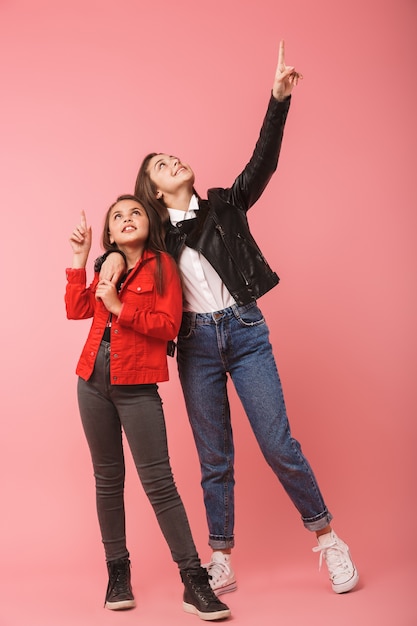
[(226, 588), (348, 586), (122, 605), (190, 608)]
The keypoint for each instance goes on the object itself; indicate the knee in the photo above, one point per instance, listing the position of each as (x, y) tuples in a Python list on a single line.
[(109, 478), (159, 485)]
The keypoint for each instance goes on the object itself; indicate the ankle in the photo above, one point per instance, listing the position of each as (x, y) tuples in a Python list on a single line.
[(324, 531)]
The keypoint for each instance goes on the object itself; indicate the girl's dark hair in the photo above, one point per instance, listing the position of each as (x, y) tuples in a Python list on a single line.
[(155, 241), (146, 189)]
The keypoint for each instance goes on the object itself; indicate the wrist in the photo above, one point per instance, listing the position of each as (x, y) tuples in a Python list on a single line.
[(116, 308), (280, 97), (79, 261)]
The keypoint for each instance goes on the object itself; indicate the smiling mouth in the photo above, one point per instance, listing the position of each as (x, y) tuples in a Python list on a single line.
[(128, 229), (180, 169)]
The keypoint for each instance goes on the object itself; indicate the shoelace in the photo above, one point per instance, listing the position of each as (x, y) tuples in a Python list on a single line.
[(216, 570), (118, 581), (333, 553), (203, 589)]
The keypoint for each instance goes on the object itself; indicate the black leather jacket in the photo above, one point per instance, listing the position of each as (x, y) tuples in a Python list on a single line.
[(220, 232)]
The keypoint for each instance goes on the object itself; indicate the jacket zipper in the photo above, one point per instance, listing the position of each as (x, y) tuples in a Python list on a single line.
[(258, 251), (223, 236)]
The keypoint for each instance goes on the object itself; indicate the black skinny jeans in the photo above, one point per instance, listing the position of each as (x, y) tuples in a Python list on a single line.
[(105, 409)]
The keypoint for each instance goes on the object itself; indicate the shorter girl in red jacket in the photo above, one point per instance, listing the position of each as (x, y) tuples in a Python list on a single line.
[(121, 363)]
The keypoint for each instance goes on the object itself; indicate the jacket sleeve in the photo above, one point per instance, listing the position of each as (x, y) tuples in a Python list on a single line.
[(251, 182), (80, 300), (163, 319)]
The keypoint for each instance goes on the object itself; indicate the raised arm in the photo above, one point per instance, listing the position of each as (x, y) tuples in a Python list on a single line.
[(251, 182)]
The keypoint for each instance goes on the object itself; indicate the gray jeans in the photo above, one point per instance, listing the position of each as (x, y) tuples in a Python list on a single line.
[(105, 409)]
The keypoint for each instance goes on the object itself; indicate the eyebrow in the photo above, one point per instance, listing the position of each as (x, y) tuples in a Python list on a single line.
[(158, 161), (139, 207), (164, 157)]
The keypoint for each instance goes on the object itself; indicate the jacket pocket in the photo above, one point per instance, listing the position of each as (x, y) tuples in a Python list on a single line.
[(140, 294)]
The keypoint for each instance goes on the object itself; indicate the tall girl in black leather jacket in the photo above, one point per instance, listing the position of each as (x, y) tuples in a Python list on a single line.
[(224, 334)]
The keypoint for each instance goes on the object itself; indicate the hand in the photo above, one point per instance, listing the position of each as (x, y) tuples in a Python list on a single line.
[(106, 292), (80, 241), (286, 76), (113, 268)]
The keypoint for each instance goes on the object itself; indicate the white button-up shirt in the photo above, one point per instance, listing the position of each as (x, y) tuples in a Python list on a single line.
[(204, 290)]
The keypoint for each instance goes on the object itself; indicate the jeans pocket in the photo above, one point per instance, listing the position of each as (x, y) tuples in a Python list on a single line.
[(249, 316)]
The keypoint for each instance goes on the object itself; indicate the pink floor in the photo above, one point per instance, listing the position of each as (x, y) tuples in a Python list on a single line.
[(284, 593)]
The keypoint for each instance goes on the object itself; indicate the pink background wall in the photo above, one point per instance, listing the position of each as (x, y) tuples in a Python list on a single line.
[(88, 88)]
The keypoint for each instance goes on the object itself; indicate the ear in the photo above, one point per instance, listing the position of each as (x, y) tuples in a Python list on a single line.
[(159, 195)]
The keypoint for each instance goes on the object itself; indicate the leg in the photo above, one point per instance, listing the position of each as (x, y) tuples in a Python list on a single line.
[(142, 418), (256, 378), (103, 432), (255, 375), (141, 413), (203, 379)]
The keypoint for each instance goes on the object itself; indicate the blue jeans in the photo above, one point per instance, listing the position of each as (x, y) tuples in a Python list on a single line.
[(105, 409), (235, 342)]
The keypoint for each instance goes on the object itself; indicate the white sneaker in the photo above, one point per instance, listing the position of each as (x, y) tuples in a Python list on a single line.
[(221, 575), (342, 571)]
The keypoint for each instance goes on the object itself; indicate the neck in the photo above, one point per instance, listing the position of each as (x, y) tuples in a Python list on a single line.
[(180, 201), (132, 254)]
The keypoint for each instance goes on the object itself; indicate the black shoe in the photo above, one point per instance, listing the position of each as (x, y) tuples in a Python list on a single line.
[(119, 594), (199, 598)]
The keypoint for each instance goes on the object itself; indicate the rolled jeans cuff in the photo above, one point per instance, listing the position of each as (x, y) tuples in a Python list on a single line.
[(319, 522), (220, 543)]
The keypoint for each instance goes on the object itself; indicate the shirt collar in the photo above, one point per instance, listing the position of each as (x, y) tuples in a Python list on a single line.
[(176, 215)]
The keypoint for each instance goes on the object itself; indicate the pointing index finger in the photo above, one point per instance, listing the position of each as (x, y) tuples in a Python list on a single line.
[(83, 220), (281, 55)]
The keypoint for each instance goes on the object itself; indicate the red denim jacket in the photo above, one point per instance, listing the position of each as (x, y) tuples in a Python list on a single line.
[(146, 323)]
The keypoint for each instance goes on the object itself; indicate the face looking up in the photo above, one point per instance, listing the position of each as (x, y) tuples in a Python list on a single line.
[(128, 224), (170, 175)]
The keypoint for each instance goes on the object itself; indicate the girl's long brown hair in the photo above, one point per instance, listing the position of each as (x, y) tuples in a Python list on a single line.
[(145, 188), (155, 241)]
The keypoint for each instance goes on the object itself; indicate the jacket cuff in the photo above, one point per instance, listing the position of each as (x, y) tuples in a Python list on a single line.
[(100, 260), (76, 274), (280, 103)]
